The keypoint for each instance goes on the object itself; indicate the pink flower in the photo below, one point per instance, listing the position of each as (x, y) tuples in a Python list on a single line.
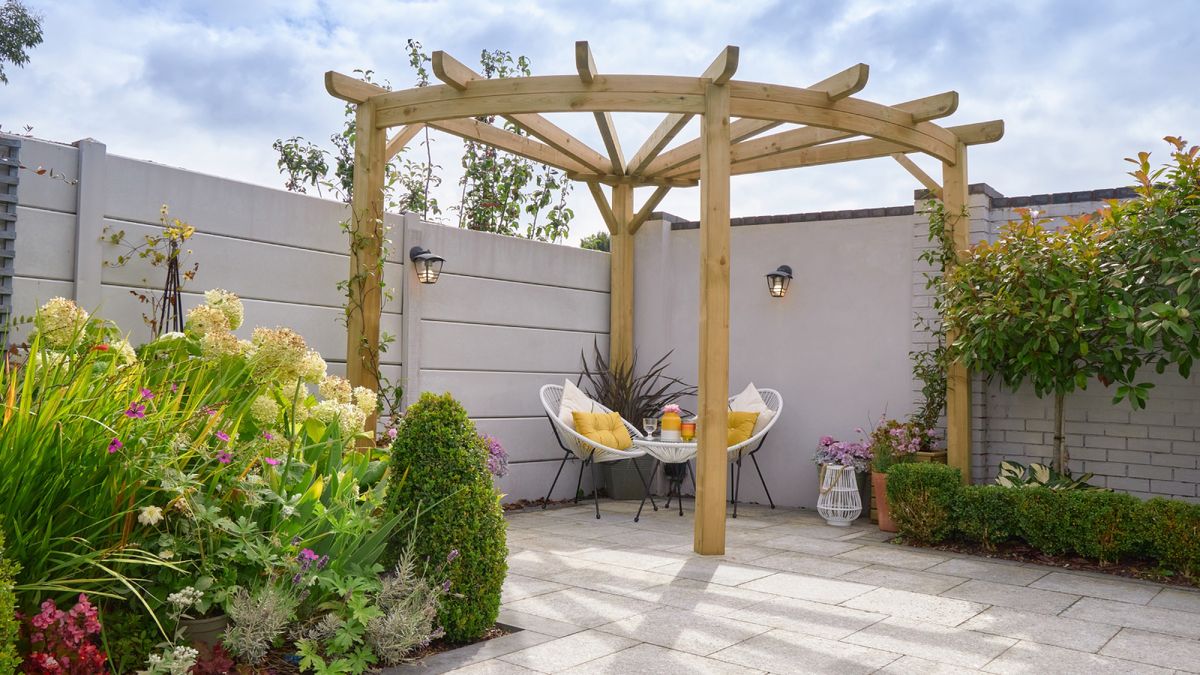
[(826, 441), (114, 445), (147, 394), (174, 387), (672, 408), (267, 435), (392, 433), (308, 554), (271, 460), (223, 436), (224, 457), (136, 411)]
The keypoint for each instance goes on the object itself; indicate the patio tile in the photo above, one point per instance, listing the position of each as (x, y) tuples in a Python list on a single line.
[(692, 632), (936, 643), (823, 531), (517, 587), (565, 652), (1175, 598), (1084, 636), (916, 606), (1000, 573), (808, 564), (712, 570), (1109, 589), (648, 659), (811, 545), (818, 589), (492, 667), (1159, 650), (580, 531), (734, 552), (537, 624), (1157, 619), (904, 580), (1015, 597), (1024, 658), (639, 559), (911, 665), (471, 654), (810, 618), (552, 543), (648, 539), (781, 651), (893, 556), (698, 596), (537, 564), (618, 580), (582, 607)]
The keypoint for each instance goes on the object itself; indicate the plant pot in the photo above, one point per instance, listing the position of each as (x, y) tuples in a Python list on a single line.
[(208, 630), (937, 457), (864, 492), (621, 478), (879, 489)]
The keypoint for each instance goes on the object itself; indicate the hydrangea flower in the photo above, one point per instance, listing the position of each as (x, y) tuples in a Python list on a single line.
[(124, 351), (228, 304), (264, 410), (59, 322), (312, 367), (278, 354), (335, 388), (217, 344), (366, 400), (203, 320)]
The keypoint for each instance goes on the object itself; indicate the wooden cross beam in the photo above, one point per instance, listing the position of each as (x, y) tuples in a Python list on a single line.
[(454, 73), (846, 83), (586, 65), (720, 71), (396, 143)]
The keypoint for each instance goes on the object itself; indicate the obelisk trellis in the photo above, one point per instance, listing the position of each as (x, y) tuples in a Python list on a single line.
[(735, 115)]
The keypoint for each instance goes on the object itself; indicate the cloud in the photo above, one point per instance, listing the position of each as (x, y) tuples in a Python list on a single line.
[(209, 86)]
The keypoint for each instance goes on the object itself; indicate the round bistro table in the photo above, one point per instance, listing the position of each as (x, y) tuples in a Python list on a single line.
[(672, 453)]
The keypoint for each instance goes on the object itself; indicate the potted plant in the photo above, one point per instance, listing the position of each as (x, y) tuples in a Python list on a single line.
[(857, 455), (892, 442)]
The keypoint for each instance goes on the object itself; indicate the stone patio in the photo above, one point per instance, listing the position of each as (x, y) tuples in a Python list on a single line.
[(793, 595)]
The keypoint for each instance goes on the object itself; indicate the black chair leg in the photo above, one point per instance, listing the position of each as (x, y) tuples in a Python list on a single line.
[(595, 488), (737, 482), (579, 481), (647, 492), (764, 482), (556, 475), (645, 485)]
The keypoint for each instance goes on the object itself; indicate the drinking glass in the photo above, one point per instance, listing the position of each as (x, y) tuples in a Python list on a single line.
[(687, 431), (650, 424)]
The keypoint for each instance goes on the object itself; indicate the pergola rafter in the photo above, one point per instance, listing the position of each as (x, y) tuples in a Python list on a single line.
[(835, 126)]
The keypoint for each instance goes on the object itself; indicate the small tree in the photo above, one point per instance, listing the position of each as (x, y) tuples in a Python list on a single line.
[(20, 31), (596, 242)]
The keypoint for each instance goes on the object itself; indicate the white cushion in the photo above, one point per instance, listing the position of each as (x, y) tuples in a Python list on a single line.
[(749, 400), (573, 400)]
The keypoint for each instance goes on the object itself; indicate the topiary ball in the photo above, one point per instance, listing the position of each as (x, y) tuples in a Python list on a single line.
[(439, 470)]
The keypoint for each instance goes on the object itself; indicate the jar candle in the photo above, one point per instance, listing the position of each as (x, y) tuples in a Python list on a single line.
[(670, 425), (687, 430)]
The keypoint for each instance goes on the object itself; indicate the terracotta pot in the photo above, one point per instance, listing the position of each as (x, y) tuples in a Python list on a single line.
[(209, 630), (879, 491)]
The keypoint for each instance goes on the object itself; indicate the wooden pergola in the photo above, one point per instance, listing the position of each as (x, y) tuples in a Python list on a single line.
[(735, 117)]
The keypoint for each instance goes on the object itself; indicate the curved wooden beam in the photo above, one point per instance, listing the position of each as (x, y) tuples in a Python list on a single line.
[(474, 130)]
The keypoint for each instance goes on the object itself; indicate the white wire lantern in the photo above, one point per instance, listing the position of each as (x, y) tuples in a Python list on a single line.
[(839, 503)]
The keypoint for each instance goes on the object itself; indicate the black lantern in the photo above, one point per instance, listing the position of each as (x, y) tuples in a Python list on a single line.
[(777, 281), (428, 265)]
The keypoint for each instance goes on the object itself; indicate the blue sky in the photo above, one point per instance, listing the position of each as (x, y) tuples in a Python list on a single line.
[(209, 85)]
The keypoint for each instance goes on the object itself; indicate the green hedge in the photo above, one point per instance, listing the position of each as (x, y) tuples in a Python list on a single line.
[(9, 659), (929, 504), (439, 465)]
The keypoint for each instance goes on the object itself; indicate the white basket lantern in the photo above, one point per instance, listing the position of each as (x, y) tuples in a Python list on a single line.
[(839, 503)]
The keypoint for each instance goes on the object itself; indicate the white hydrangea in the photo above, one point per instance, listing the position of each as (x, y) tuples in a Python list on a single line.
[(167, 337), (313, 367), (348, 417), (46, 358), (217, 344), (366, 400), (123, 351), (335, 388), (203, 320), (60, 322), (264, 410), (278, 354), (228, 304)]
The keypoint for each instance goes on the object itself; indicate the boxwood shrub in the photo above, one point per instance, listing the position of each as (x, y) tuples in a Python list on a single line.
[(439, 466), (9, 660), (929, 505), (921, 497)]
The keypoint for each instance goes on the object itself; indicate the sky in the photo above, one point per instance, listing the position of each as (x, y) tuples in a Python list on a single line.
[(209, 85)]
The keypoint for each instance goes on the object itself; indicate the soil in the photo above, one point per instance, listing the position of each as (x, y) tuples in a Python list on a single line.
[(1133, 569)]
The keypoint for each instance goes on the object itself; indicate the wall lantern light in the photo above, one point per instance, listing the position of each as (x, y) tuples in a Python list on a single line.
[(428, 265), (777, 281)]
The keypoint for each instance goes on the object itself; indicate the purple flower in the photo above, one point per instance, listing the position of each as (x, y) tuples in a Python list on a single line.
[(295, 540), (297, 579), (224, 457), (174, 387), (446, 586), (452, 555), (223, 436), (147, 394), (114, 445), (308, 554), (136, 411), (271, 460), (322, 562), (267, 435), (392, 433), (826, 441)]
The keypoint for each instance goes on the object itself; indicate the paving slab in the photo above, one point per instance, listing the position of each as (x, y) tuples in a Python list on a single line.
[(996, 572), (902, 579), (698, 596), (1161, 650), (782, 651), (813, 545), (810, 618), (893, 556), (1155, 619), (1015, 597), (821, 566), (517, 587), (954, 646), (829, 591), (916, 606), (1084, 636), (685, 631), (911, 665), (493, 667), (1176, 598), (1094, 586), (1026, 658), (646, 659), (566, 652), (582, 607), (471, 654), (712, 570)]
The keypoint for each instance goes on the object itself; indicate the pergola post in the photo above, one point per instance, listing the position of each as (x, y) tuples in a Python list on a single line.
[(714, 322), (364, 294), (620, 338), (958, 381)]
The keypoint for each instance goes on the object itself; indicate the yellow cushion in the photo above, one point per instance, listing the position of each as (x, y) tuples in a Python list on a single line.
[(605, 429), (741, 426)]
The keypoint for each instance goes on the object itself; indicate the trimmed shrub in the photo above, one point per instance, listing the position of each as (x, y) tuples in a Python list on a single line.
[(439, 466), (9, 628), (986, 514), (1104, 526), (921, 497), (1173, 534), (1042, 519)]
